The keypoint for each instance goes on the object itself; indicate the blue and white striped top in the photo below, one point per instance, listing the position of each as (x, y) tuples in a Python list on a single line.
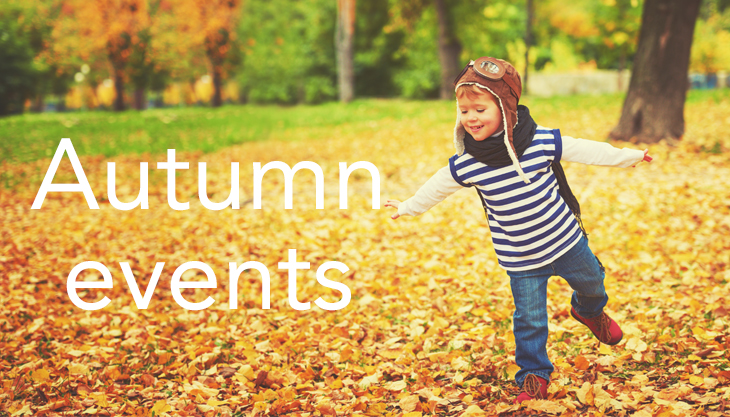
[(531, 225)]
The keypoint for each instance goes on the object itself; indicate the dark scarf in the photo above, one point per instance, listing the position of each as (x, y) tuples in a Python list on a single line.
[(493, 152)]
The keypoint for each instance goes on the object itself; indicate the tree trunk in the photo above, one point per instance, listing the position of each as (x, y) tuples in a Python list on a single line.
[(449, 51), (140, 99), (621, 68), (344, 39), (38, 104), (217, 88), (528, 43), (654, 106), (119, 89)]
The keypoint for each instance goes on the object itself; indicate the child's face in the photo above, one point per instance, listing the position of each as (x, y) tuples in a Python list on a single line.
[(480, 115)]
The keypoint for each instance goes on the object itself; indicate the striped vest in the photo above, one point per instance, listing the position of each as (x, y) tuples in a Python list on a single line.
[(531, 225)]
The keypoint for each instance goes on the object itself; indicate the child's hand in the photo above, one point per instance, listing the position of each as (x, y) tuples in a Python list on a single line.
[(647, 158), (394, 204)]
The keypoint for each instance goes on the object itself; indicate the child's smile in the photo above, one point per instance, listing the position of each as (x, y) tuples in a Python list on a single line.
[(481, 116)]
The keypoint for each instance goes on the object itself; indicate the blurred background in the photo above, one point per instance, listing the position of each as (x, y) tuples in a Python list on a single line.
[(68, 55)]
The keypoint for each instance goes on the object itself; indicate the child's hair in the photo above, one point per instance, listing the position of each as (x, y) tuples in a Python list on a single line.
[(470, 90)]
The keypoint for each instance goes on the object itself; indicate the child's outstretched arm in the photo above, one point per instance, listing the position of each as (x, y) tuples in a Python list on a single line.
[(647, 158), (394, 204), (434, 191), (601, 153)]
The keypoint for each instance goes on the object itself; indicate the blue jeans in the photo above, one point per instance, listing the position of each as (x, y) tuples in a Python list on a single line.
[(584, 273)]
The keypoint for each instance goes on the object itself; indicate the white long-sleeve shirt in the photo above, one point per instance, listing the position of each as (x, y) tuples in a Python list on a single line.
[(589, 152)]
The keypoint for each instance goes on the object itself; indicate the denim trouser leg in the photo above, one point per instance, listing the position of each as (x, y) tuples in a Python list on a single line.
[(530, 322), (583, 272)]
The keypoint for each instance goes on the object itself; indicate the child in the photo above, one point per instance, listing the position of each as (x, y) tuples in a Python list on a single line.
[(534, 219)]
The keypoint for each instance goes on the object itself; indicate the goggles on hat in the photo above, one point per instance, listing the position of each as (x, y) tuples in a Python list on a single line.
[(491, 69)]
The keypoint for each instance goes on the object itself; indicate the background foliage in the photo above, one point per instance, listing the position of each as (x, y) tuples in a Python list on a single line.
[(282, 51)]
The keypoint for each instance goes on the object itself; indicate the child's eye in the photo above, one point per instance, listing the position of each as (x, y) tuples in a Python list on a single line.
[(480, 110)]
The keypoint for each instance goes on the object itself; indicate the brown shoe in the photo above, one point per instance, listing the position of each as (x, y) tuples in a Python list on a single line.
[(534, 388)]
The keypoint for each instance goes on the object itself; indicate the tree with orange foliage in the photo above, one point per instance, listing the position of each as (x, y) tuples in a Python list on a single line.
[(101, 29), (202, 26)]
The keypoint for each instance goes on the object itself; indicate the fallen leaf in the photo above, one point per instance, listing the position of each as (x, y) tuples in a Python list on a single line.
[(397, 385), (40, 376)]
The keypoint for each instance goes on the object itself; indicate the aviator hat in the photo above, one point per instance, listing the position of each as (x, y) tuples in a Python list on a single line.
[(503, 81)]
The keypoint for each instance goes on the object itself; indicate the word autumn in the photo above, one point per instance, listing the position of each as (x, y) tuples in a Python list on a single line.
[(234, 272), (171, 166)]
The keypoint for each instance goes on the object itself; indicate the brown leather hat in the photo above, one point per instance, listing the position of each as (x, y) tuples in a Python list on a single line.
[(501, 79)]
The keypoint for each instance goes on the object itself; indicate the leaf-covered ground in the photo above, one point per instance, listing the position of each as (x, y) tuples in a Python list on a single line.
[(428, 329)]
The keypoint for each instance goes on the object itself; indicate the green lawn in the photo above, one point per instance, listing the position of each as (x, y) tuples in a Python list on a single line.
[(30, 137)]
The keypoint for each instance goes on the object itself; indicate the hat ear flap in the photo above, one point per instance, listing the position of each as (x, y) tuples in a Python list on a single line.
[(459, 133)]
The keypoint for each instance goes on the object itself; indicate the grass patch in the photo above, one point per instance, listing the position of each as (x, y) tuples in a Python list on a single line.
[(30, 137)]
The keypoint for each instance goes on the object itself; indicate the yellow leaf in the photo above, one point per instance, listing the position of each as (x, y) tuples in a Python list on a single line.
[(582, 392), (604, 349), (215, 403), (160, 407), (345, 354), (23, 411), (636, 344), (390, 353), (642, 413), (683, 257), (40, 375), (702, 333), (114, 333), (440, 322), (77, 369), (590, 396), (601, 399), (101, 399), (464, 309), (458, 379), (512, 370), (696, 380), (479, 312), (409, 403), (377, 409), (369, 380), (397, 385), (413, 414), (545, 406), (247, 372), (270, 395), (473, 410)]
